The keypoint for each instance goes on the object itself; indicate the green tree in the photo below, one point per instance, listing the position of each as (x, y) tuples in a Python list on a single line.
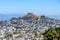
[(52, 33)]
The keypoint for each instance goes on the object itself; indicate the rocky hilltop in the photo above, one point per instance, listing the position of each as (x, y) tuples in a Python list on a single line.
[(30, 16), (31, 21)]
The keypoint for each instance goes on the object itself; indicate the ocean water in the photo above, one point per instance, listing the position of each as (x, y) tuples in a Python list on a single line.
[(8, 17), (5, 18), (55, 16)]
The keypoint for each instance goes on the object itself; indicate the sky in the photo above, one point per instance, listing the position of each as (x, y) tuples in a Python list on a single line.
[(39, 7)]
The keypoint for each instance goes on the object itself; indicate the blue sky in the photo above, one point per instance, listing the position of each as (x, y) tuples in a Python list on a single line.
[(39, 7)]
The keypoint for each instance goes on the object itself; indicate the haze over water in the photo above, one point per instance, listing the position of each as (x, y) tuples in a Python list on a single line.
[(8, 17), (16, 8)]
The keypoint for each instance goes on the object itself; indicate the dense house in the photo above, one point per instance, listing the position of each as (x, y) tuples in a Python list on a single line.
[(27, 27), (2, 33)]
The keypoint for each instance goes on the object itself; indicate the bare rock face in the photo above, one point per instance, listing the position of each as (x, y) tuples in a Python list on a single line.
[(30, 16)]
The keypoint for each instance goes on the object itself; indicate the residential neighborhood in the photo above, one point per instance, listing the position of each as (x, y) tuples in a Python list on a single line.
[(28, 27)]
